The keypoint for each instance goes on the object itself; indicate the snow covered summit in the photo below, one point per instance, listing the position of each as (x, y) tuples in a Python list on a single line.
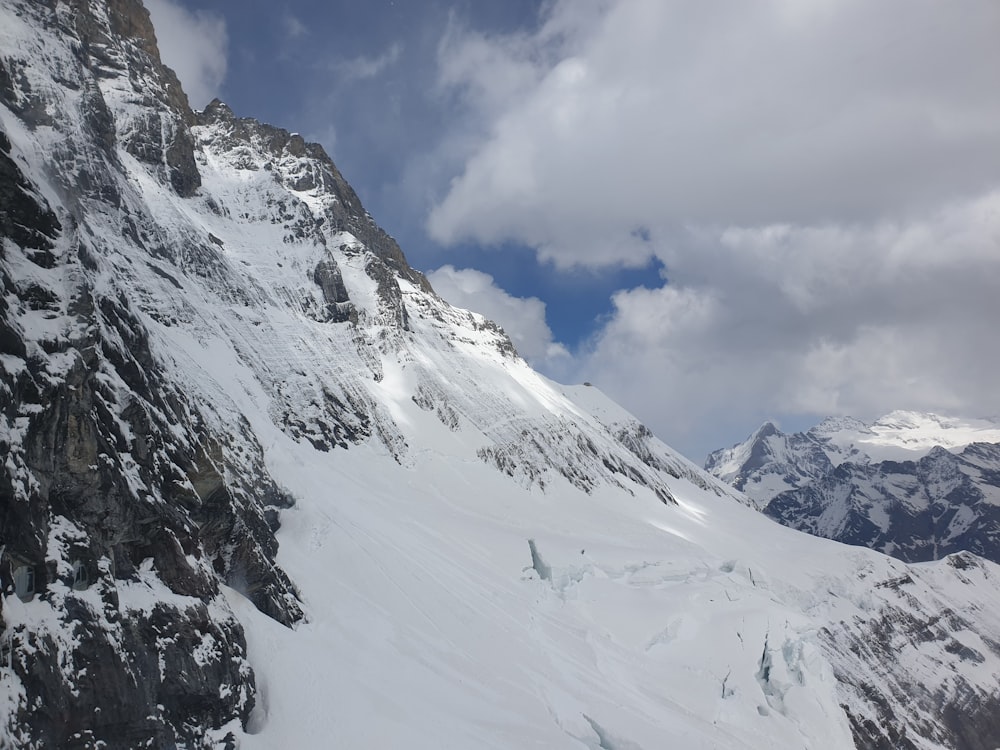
[(916, 486), (770, 461)]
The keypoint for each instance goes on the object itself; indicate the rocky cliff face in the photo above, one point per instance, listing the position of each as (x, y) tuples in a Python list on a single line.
[(914, 510), (769, 462), (122, 502)]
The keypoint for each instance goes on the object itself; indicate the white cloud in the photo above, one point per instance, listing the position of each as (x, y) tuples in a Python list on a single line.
[(522, 318), (294, 28), (660, 113), (789, 320), (194, 44), (366, 67), (820, 180)]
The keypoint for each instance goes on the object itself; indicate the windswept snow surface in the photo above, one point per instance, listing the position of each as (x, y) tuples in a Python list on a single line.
[(429, 627), (695, 625), (905, 435)]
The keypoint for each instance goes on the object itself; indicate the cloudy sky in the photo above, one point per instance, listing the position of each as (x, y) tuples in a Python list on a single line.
[(717, 212)]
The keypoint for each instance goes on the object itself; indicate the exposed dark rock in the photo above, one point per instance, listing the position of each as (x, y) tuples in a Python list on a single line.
[(914, 510), (193, 526), (338, 308), (24, 216), (347, 213), (112, 483), (958, 716), (390, 296), (163, 676), (124, 44), (431, 399), (570, 454)]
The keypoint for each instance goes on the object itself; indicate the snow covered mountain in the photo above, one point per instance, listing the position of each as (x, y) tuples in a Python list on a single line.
[(914, 510), (261, 487), (915, 486), (770, 462)]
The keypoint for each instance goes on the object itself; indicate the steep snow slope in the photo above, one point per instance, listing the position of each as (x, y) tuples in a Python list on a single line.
[(201, 325), (449, 610)]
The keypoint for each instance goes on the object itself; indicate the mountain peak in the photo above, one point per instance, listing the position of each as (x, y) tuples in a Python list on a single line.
[(767, 429), (215, 111), (912, 484), (832, 425), (767, 462)]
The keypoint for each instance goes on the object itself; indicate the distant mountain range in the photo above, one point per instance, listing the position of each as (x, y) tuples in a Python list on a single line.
[(915, 486)]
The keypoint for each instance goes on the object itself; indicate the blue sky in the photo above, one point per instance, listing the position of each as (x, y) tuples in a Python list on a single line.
[(371, 98), (717, 212), (361, 78)]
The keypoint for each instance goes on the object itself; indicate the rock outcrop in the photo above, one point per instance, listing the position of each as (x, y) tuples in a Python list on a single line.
[(122, 509)]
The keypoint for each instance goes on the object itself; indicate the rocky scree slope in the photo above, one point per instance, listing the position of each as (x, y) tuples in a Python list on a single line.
[(888, 485)]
